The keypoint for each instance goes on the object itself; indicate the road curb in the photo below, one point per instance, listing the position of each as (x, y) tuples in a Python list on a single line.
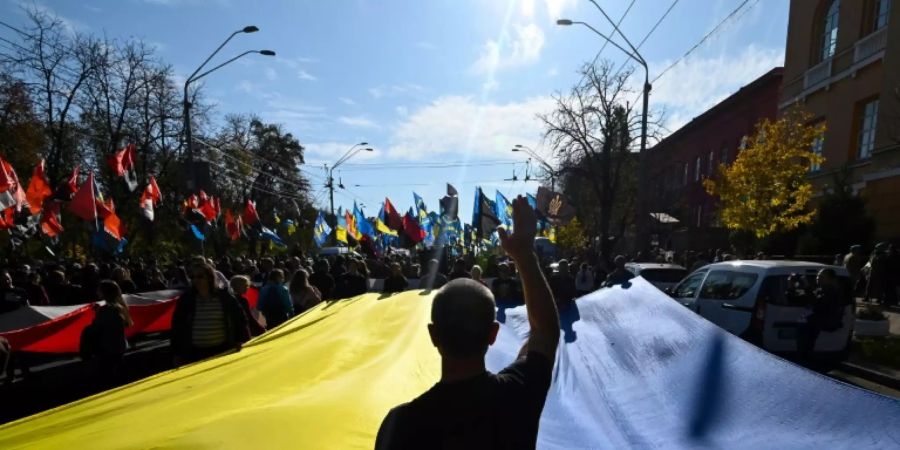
[(871, 375)]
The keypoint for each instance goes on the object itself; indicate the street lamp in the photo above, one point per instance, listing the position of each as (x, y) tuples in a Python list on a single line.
[(633, 54), (194, 77), (534, 155), (356, 148)]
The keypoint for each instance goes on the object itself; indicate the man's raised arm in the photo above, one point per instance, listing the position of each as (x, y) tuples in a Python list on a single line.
[(542, 315)]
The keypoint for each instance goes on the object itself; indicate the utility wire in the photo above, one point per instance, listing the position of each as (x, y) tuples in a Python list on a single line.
[(703, 40)]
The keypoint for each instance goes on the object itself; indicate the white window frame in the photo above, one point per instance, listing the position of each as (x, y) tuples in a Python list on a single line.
[(817, 147), (829, 34), (867, 128), (882, 14)]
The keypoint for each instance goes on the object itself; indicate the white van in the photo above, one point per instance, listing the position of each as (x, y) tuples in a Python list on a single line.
[(749, 299), (663, 276)]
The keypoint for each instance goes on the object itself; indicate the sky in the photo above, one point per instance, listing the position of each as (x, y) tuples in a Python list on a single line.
[(440, 89)]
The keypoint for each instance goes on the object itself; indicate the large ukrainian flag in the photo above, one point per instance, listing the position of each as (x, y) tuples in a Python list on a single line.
[(634, 369)]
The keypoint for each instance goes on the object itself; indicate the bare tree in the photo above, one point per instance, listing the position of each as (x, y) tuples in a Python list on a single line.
[(594, 130), (55, 65)]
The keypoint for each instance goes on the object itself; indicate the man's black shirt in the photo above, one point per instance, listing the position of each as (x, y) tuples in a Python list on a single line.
[(324, 282), (488, 411)]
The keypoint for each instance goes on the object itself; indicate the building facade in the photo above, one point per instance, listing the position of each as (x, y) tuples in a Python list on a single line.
[(680, 214), (842, 64)]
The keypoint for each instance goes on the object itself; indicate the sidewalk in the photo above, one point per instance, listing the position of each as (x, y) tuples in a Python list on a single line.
[(861, 365)]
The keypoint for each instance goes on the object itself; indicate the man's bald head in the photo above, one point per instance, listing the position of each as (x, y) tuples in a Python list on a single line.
[(462, 319)]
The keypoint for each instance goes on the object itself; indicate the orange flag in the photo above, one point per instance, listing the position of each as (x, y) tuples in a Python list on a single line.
[(38, 189)]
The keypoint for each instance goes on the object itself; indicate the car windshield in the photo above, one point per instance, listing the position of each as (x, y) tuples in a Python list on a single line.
[(663, 275)]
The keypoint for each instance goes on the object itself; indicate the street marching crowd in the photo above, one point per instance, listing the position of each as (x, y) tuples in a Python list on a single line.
[(421, 249)]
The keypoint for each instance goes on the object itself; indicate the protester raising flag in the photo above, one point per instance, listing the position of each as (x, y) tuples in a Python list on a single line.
[(122, 165), (270, 236), (38, 189), (150, 198), (321, 231), (484, 216)]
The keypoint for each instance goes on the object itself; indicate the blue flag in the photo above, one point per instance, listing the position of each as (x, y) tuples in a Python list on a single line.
[(503, 209), (362, 225), (322, 230), (532, 201), (270, 235), (421, 210), (197, 233)]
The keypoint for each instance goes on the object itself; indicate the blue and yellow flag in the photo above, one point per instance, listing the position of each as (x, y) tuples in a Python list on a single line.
[(362, 224), (503, 210), (322, 230), (381, 223)]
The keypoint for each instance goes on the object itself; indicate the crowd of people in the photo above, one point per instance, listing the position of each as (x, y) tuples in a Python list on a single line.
[(291, 284)]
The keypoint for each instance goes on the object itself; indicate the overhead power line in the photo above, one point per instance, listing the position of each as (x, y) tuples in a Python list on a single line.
[(705, 38)]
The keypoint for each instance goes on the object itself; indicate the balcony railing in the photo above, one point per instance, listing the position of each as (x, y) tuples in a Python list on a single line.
[(817, 74), (870, 45)]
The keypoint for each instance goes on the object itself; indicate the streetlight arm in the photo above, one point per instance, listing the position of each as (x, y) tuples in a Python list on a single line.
[(190, 78), (346, 156), (220, 66), (639, 58), (631, 55)]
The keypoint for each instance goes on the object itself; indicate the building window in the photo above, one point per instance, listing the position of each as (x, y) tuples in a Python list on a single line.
[(699, 216), (697, 167), (817, 146), (684, 178), (709, 164), (828, 39), (882, 14), (868, 117), (724, 159)]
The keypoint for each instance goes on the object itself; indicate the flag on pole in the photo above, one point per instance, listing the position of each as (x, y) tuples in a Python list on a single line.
[(321, 231), (38, 189), (392, 218), (362, 224), (250, 216), (484, 217), (66, 190), (352, 229), (11, 192), (150, 198), (122, 165), (270, 236), (84, 202), (503, 210), (232, 225), (50, 218), (412, 229), (381, 223)]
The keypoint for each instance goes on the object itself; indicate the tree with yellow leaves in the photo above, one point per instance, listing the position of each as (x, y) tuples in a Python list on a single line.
[(571, 235), (766, 190)]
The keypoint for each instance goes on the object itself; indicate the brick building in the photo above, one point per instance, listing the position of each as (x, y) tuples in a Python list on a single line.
[(842, 64), (680, 214)]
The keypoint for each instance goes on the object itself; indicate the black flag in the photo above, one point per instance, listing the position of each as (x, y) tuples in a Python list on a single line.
[(486, 220), (554, 206)]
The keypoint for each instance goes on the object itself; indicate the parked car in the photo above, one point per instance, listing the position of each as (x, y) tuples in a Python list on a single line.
[(663, 276), (750, 299)]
